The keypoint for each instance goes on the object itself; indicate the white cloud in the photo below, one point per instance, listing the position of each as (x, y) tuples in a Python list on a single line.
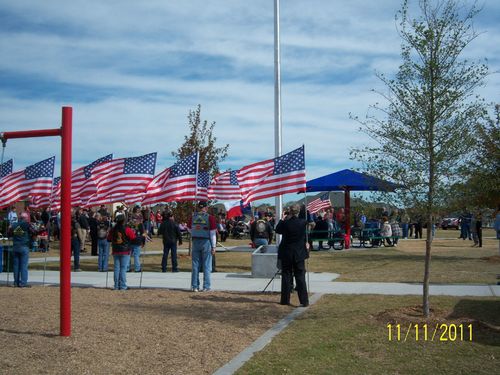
[(132, 71)]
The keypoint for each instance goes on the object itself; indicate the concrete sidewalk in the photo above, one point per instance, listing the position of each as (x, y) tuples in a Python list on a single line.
[(243, 282)]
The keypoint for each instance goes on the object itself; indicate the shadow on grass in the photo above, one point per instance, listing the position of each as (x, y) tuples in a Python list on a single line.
[(485, 316)]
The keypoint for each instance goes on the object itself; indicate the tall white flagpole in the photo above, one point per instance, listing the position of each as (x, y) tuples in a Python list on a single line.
[(277, 101)]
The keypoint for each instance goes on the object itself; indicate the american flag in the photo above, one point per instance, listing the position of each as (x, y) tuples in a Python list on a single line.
[(282, 175), (177, 183), (225, 187), (116, 180), (82, 186), (6, 168), (319, 203), (39, 201), (203, 182), (34, 180)]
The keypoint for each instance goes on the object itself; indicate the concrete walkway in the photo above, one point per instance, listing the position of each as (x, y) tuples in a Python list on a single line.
[(244, 282)]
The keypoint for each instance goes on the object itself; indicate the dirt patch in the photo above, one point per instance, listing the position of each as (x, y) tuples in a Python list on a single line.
[(492, 259), (146, 331)]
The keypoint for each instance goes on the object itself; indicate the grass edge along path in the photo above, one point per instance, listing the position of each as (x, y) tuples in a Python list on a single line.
[(350, 335)]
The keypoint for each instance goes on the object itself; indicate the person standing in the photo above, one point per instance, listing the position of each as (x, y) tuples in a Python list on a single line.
[(171, 234), (479, 228), (93, 232), (140, 239), (21, 233), (203, 233), (120, 236), (75, 243), (405, 223), (12, 216), (102, 243), (83, 220), (293, 250)]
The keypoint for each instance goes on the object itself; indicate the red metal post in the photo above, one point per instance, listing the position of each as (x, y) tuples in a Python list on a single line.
[(347, 209), (65, 253)]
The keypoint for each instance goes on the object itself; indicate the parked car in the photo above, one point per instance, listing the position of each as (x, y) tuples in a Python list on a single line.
[(450, 222)]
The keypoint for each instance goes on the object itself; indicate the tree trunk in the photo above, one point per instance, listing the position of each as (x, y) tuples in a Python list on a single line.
[(428, 247)]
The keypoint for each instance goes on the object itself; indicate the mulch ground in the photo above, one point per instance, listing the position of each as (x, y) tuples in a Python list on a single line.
[(146, 331)]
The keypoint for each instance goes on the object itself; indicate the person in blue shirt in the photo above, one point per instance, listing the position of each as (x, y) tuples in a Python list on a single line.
[(21, 233)]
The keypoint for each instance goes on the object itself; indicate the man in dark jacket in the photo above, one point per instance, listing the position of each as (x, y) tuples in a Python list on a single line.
[(171, 234), (292, 252)]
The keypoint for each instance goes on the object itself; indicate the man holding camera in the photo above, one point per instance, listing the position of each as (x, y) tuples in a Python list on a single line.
[(293, 250)]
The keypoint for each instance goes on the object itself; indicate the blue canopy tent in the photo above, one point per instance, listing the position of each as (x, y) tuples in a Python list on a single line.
[(348, 180)]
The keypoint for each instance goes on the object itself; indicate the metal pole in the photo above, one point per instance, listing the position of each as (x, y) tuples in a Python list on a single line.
[(347, 212), (65, 253), (277, 103)]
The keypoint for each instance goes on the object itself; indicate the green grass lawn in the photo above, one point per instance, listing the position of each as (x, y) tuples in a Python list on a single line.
[(349, 335)]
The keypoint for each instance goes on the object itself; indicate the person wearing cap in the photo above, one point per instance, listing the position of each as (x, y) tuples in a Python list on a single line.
[(203, 228), (21, 233), (171, 234), (293, 250), (120, 237)]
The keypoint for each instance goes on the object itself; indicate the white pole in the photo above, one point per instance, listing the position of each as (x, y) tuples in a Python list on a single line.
[(277, 102)]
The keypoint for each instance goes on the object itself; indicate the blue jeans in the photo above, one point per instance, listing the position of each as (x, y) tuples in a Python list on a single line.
[(261, 242), (404, 227), (75, 249), (135, 251), (167, 247), (120, 271), (201, 254), (1, 258), (103, 254), (21, 256), (465, 231)]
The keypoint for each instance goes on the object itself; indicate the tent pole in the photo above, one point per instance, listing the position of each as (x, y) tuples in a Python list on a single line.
[(347, 209)]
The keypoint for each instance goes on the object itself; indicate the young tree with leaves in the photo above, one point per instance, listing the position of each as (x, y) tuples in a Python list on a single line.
[(200, 139), (425, 131)]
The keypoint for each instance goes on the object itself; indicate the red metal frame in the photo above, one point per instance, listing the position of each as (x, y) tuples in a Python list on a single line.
[(65, 254)]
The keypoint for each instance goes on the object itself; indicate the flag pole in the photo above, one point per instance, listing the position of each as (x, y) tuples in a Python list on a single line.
[(277, 103), (307, 240)]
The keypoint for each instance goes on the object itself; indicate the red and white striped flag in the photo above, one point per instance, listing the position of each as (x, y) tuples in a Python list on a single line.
[(225, 187), (320, 203), (39, 201), (177, 183), (36, 179), (117, 179), (82, 187), (282, 175)]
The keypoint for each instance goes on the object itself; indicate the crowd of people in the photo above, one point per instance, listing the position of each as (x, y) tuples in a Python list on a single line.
[(123, 234)]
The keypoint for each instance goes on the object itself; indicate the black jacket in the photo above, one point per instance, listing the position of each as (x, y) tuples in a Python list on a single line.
[(170, 232), (293, 244)]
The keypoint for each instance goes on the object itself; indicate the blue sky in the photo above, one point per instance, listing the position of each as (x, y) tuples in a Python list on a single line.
[(132, 70)]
